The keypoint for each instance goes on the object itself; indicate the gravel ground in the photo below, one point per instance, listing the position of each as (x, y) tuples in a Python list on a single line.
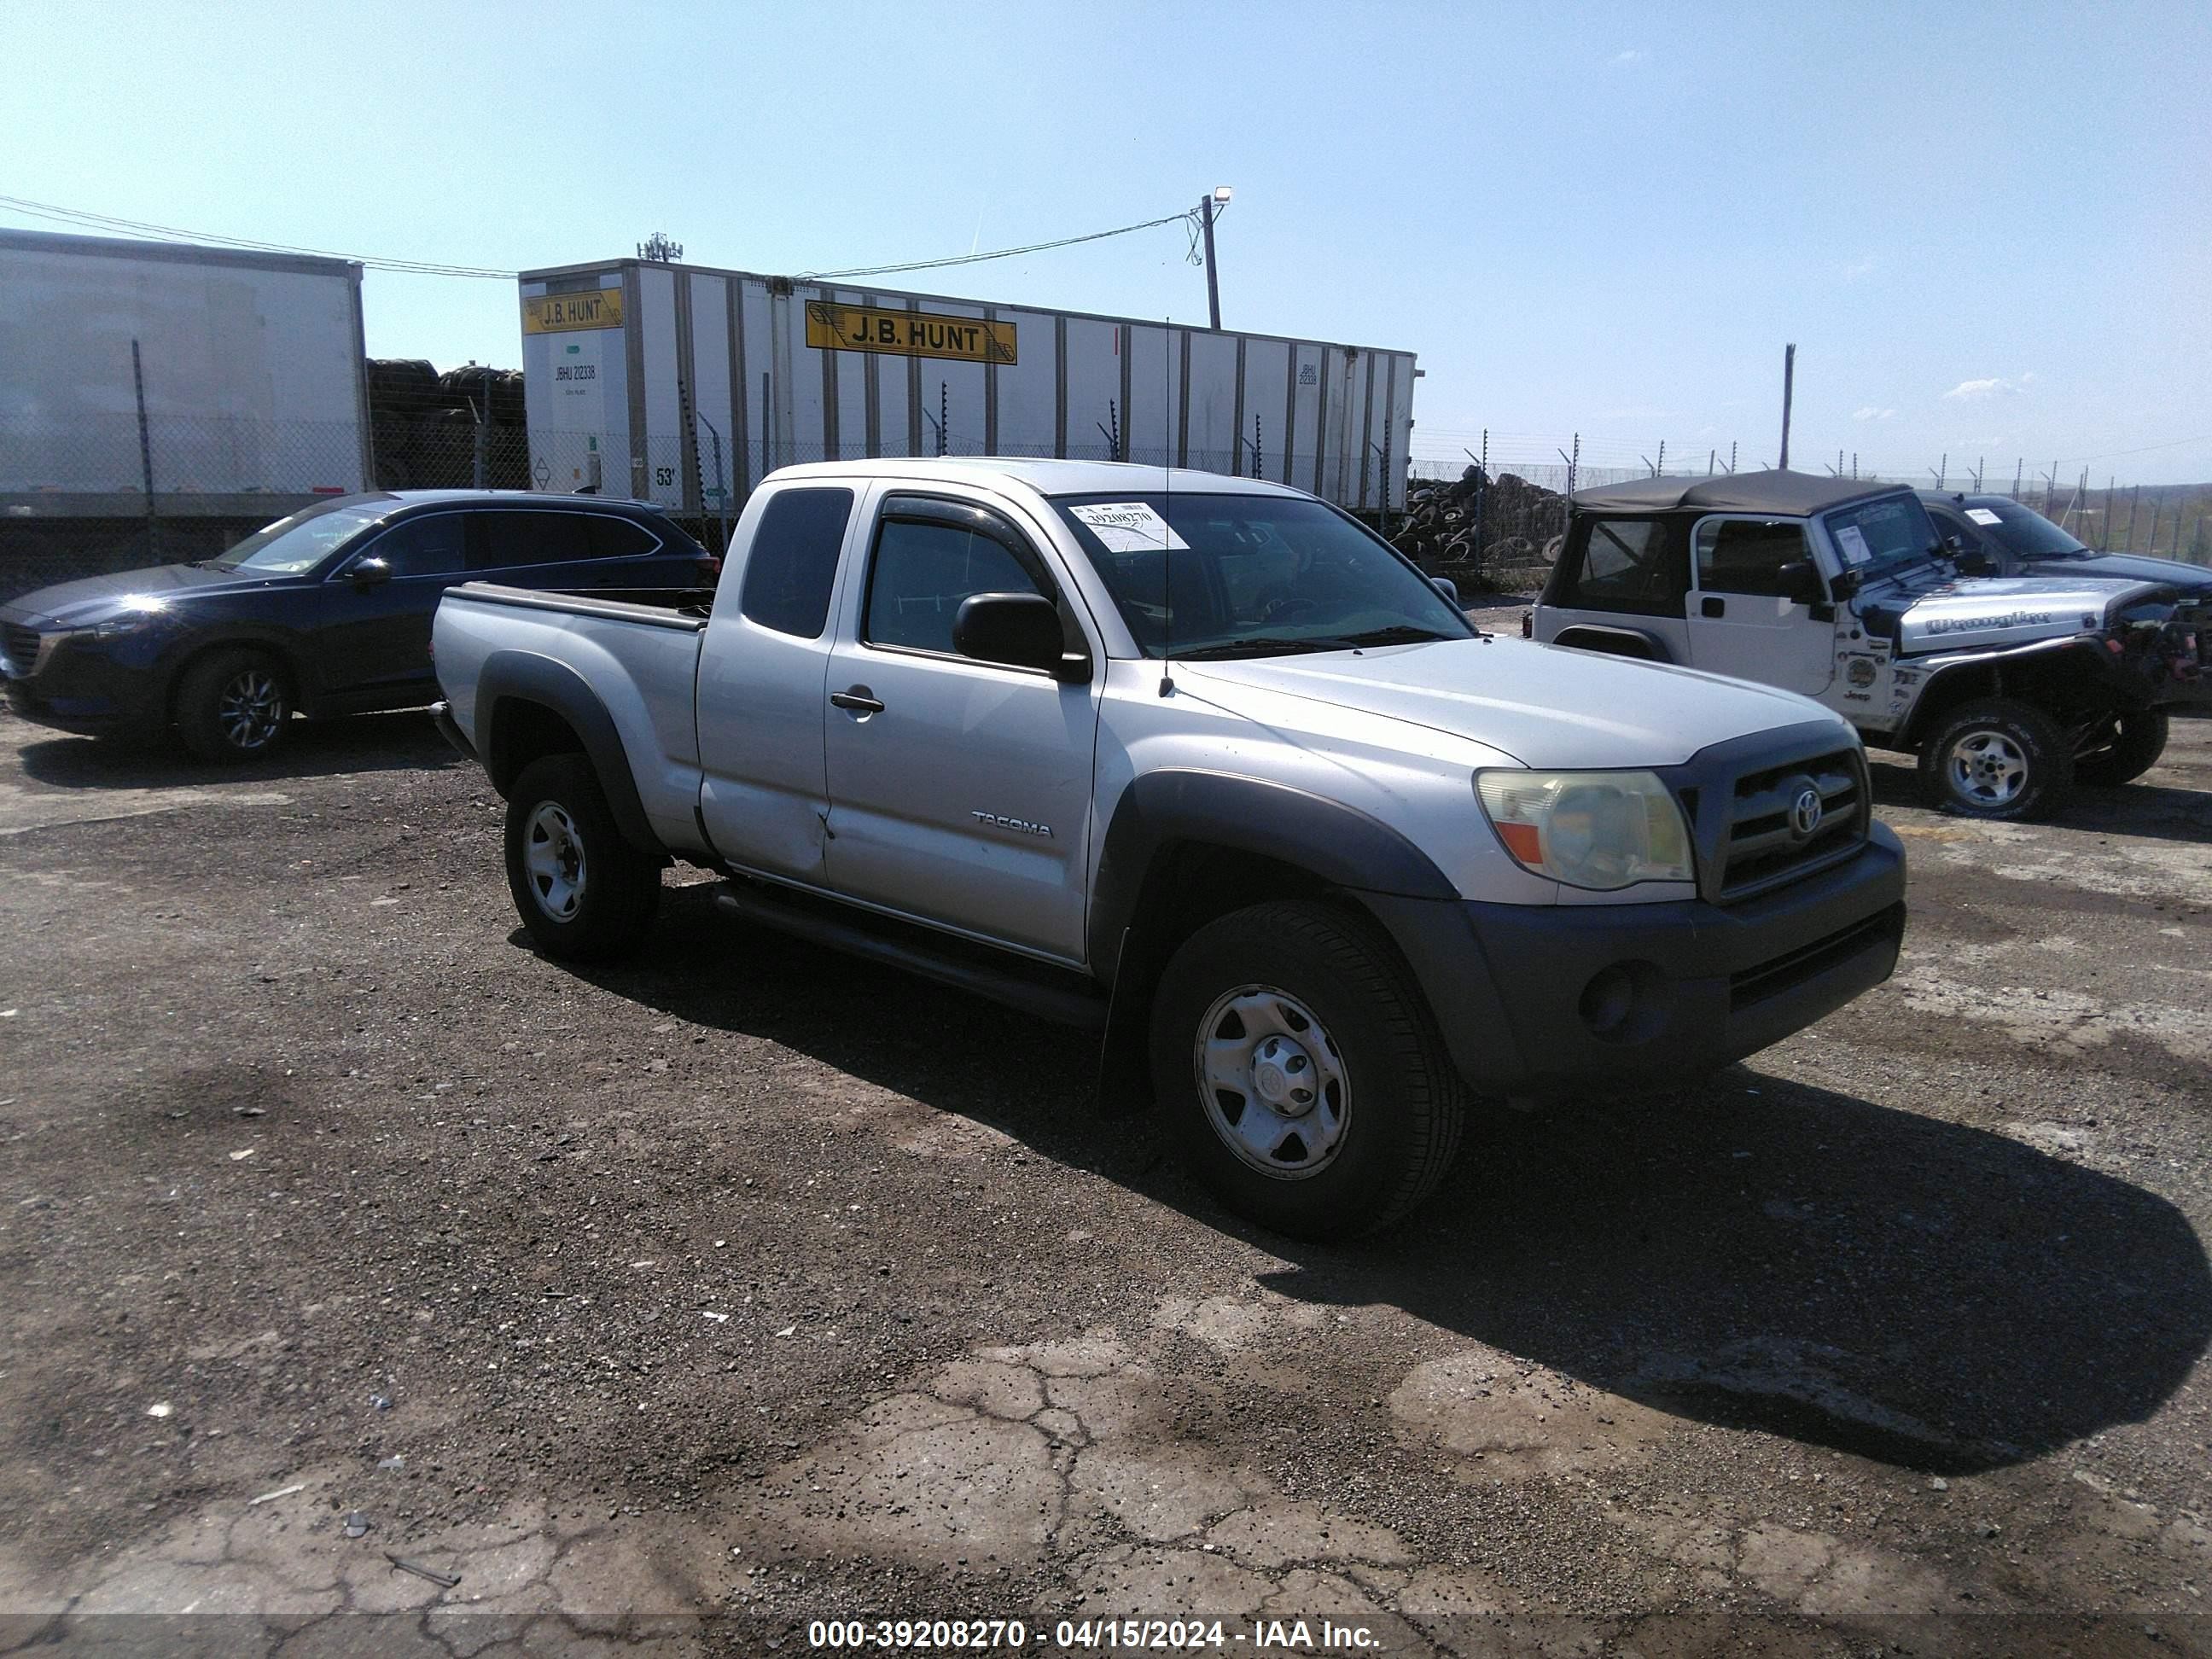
[(747, 1281)]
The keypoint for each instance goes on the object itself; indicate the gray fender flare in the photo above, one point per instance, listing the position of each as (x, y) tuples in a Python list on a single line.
[(513, 679), (1636, 643)]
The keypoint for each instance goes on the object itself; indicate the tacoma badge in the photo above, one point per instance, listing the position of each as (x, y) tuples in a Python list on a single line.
[(1022, 824)]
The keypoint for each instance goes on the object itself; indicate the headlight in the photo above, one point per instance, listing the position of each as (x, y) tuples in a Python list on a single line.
[(1593, 829), (138, 612)]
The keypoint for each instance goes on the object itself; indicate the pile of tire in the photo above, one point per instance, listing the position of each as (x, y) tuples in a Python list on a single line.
[(424, 425), (1465, 526)]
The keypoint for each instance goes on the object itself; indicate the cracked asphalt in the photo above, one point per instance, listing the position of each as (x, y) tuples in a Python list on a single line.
[(669, 1306)]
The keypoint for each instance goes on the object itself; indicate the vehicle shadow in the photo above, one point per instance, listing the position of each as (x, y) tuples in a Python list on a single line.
[(1749, 1251), (2148, 810), (403, 741)]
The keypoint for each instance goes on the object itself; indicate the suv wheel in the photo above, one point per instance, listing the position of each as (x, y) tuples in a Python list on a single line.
[(1304, 1080), (583, 892), (1997, 758), (234, 705), (2131, 749)]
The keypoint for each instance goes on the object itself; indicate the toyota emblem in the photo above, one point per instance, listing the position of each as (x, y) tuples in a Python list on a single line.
[(1805, 814)]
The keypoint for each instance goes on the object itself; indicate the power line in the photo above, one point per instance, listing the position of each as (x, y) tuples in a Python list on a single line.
[(145, 231), (978, 258)]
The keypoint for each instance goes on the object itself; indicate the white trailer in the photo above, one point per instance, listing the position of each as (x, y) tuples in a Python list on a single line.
[(226, 383), (635, 371)]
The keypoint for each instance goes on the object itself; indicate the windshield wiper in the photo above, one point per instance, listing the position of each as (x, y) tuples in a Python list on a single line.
[(1261, 645), (1397, 634)]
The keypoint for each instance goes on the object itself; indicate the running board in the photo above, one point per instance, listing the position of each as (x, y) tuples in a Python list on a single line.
[(897, 945)]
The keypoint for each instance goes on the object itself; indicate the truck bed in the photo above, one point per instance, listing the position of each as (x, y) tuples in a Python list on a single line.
[(638, 650)]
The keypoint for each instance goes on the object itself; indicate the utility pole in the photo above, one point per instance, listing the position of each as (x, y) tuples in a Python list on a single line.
[(1219, 193), (1788, 381)]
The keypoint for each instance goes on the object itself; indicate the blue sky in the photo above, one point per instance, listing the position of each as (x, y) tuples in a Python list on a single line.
[(1985, 227)]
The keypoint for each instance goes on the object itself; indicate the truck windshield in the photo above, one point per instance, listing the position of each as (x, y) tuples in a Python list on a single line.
[(304, 540), (1253, 575), (1880, 537), (2023, 530)]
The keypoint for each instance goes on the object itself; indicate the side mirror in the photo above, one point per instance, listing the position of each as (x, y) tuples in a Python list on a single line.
[(1448, 587), (370, 573), (1955, 543), (1844, 586), (1800, 582), (1021, 630), (1972, 562)]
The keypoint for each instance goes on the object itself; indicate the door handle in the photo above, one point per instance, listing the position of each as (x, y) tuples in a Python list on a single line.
[(1710, 606), (859, 699)]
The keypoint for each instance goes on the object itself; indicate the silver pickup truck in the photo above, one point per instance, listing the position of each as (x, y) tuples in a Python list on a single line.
[(1201, 762)]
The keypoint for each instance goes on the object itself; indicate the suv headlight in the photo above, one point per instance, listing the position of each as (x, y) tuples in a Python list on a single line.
[(138, 613), (1593, 829)]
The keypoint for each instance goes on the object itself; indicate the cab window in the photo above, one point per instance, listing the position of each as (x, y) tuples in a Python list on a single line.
[(1745, 555), (792, 563), (1635, 565), (925, 568)]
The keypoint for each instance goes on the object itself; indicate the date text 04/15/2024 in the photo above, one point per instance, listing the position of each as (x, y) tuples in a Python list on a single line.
[(1097, 1635)]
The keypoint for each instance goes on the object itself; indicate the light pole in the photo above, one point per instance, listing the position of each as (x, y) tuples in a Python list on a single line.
[(1205, 208)]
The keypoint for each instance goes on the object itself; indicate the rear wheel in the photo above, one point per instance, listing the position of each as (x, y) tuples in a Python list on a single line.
[(234, 705), (583, 892), (2130, 748), (1997, 758), (1302, 1078)]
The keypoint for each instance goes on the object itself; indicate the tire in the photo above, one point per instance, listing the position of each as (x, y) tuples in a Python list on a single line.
[(2137, 742), (1997, 758), (584, 893), (234, 705), (1265, 981)]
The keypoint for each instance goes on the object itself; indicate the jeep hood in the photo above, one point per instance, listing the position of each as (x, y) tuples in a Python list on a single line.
[(1546, 706), (1981, 612)]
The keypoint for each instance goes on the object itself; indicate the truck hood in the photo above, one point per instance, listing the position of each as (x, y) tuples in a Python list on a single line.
[(2194, 580), (68, 602), (1546, 706), (1978, 613)]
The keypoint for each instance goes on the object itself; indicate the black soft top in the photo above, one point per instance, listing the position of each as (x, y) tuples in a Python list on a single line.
[(1796, 494)]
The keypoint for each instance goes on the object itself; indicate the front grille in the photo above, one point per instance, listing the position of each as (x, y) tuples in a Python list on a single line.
[(22, 645), (1766, 843), (1793, 967)]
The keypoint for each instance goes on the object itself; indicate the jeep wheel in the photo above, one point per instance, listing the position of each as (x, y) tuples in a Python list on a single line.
[(2129, 748), (584, 892), (233, 705), (1997, 758), (1302, 1078)]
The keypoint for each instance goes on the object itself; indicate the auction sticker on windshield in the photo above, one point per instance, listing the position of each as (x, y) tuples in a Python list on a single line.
[(1982, 515), (1853, 544), (1128, 527)]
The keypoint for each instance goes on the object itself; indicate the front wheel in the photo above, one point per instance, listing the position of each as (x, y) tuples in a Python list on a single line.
[(584, 893), (233, 705), (1301, 1074), (2132, 748), (1997, 758)]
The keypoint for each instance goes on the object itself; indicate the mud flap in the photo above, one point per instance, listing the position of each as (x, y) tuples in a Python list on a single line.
[(1125, 1082)]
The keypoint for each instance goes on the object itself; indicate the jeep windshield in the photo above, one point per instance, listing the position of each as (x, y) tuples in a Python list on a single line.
[(1886, 536), (1235, 575)]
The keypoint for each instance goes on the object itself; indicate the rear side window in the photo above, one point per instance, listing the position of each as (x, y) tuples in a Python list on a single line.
[(433, 546), (1745, 555), (618, 538), (924, 571), (1636, 565), (794, 562), (504, 540)]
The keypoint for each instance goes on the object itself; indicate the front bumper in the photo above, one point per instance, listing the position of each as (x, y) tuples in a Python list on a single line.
[(72, 689), (1542, 999)]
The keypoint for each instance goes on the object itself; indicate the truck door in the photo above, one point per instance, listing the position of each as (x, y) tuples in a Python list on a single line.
[(763, 669), (1741, 622), (959, 790)]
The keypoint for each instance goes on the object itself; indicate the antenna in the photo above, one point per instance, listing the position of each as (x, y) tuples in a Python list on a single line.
[(1167, 527)]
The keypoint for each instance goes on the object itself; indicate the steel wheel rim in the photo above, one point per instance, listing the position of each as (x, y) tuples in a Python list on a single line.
[(250, 709), (1987, 768), (1272, 1082), (553, 855)]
